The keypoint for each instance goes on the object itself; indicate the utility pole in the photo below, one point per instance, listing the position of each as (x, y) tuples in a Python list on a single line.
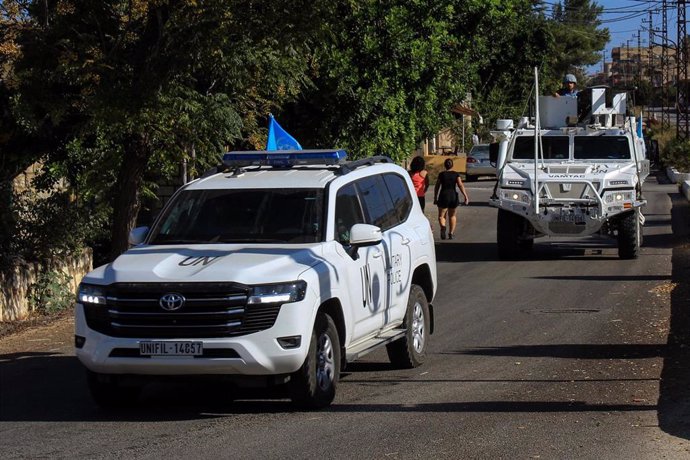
[(650, 49), (628, 71), (665, 111), (639, 57), (682, 113)]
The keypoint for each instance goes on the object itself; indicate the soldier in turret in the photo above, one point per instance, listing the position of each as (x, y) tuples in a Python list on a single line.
[(569, 88)]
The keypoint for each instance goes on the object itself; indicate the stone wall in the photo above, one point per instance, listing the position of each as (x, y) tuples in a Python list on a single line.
[(15, 284)]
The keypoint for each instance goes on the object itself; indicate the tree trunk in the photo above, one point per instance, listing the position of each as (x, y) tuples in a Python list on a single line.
[(126, 205), (7, 222)]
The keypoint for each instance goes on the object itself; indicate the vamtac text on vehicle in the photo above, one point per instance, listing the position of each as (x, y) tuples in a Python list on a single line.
[(575, 169), (276, 270)]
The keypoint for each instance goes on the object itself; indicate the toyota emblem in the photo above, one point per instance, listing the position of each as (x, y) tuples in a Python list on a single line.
[(171, 301)]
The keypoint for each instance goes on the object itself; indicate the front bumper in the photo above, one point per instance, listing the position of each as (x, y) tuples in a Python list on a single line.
[(257, 354)]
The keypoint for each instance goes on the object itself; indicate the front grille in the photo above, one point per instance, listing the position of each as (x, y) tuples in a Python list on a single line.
[(568, 190), (210, 310)]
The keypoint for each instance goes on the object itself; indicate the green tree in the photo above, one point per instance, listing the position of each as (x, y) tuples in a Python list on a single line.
[(578, 35), (157, 80)]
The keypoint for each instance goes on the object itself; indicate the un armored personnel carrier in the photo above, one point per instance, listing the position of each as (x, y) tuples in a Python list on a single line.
[(570, 172)]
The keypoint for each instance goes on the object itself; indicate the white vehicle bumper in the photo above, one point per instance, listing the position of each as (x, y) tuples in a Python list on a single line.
[(256, 354)]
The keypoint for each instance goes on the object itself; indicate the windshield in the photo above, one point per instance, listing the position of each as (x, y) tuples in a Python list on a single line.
[(234, 216), (602, 148), (555, 148)]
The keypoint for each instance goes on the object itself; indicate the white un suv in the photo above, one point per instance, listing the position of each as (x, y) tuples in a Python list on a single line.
[(278, 270)]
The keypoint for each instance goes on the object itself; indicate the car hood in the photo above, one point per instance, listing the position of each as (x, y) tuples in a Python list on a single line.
[(208, 263)]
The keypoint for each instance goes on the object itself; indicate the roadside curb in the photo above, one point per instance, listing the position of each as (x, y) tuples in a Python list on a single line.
[(680, 178)]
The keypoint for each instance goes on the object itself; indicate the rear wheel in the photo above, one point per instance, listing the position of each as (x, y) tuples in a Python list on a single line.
[(470, 177), (108, 393), (629, 236), (410, 351), (313, 385), (509, 236)]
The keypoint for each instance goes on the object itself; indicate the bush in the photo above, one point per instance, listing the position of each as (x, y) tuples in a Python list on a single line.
[(676, 154), (51, 293)]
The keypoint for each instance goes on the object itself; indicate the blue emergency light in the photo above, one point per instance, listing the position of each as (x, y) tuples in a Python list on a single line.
[(284, 158)]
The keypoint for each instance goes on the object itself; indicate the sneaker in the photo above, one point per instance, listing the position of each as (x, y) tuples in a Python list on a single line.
[(450, 236), (443, 233)]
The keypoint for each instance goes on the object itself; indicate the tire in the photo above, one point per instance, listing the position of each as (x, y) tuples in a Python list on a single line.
[(313, 385), (109, 394), (509, 230), (629, 236), (470, 177), (410, 351)]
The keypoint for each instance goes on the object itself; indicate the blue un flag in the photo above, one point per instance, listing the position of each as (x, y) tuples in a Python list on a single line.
[(278, 138)]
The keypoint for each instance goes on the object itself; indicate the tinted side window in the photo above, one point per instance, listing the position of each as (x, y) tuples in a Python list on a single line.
[(400, 194), (378, 206), (348, 212)]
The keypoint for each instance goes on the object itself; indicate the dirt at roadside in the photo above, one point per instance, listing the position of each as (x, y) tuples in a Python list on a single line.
[(53, 333)]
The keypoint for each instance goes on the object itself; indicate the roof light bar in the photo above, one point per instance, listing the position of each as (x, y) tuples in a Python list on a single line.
[(284, 158)]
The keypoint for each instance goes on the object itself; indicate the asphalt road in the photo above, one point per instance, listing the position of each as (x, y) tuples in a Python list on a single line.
[(570, 354)]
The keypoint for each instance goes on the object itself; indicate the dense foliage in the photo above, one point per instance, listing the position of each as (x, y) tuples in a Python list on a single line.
[(110, 97)]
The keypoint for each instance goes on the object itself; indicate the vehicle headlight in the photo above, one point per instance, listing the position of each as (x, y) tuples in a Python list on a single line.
[(91, 294), (617, 196), (278, 293), (520, 196)]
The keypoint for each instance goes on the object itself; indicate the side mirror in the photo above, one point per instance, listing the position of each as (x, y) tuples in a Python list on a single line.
[(362, 235), (493, 153), (138, 235), (365, 235)]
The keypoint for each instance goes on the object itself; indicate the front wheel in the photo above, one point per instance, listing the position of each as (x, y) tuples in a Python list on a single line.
[(629, 236), (313, 385), (510, 229), (410, 351)]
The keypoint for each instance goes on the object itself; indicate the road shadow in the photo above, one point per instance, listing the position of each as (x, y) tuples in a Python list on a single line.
[(674, 391), (571, 351), (45, 387), (457, 251)]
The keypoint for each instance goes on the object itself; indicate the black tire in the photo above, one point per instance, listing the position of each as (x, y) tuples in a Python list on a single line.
[(410, 351), (470, 177), (313, 385), (509, 232), (107, 392), (629, 236)]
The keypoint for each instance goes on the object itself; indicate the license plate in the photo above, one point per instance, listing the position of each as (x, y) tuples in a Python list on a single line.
[(160, 348), (572, 218)]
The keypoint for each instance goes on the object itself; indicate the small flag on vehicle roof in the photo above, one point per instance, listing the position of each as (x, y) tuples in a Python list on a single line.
[(639, 127), (278, 138)]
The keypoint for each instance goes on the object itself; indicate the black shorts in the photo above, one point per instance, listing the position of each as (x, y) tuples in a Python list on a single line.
[(448, 200)]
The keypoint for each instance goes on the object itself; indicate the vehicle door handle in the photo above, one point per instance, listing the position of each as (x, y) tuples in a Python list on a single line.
[(376, 255), (406, 241)]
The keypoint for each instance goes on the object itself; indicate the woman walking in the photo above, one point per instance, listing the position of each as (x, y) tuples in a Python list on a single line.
[(447, 199), (420, 179)]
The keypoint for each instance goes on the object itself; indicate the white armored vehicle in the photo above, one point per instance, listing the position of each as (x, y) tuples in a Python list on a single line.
[(564, 174)]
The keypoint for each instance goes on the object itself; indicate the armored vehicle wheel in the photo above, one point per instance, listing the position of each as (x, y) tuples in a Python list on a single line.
[(410, 351), (509, 229), (313, 385), (629, 236), (108, 393)]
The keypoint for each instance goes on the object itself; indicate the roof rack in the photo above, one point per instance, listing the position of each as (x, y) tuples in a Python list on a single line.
[(348, 167)]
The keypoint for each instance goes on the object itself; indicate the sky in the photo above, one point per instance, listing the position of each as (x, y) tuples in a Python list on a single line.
[(626, 18)]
